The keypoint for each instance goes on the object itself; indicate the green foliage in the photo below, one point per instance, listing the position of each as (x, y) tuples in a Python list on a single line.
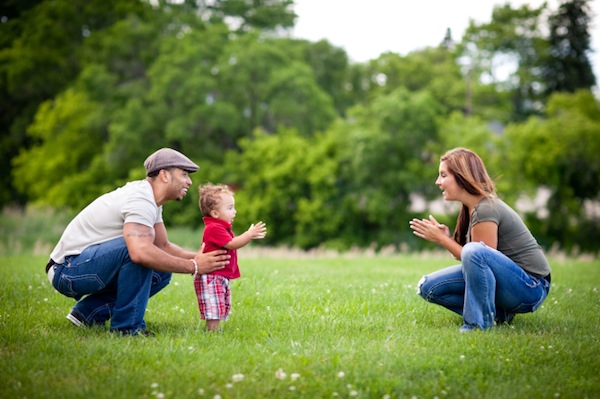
[(271, 174), (90, 88), (260, 14), (431, 69), (512, 35), (349, 185), (568, 66), (48, 172), (562, 152)]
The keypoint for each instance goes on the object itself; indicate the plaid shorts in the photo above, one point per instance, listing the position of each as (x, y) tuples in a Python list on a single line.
[(214, 296)]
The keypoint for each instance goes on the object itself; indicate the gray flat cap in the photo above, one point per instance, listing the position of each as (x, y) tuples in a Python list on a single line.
[(168, 158)]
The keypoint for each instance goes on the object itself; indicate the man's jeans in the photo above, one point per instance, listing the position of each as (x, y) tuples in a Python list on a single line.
[(109, 286), (487, 284)]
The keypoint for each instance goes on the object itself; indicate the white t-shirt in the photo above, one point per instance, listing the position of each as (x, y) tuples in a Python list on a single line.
[(103, 219)]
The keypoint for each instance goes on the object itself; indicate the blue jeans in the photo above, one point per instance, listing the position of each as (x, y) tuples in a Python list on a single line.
[(487, 285), (109, 286)]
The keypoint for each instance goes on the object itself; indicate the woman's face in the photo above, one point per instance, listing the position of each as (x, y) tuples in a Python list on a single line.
[(447, 183)]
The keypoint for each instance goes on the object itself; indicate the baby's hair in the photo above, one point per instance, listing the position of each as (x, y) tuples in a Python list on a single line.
[(210, 196)]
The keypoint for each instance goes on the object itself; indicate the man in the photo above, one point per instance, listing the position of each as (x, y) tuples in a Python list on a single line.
[(115, 254)]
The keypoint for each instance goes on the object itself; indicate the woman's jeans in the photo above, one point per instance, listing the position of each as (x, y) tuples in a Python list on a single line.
[(486, 286), (109, 286)]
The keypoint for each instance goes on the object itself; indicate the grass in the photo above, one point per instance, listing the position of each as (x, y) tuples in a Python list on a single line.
[(349, 326), (304, 325)]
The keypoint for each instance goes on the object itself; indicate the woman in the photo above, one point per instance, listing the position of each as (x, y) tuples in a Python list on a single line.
[(503, 270)]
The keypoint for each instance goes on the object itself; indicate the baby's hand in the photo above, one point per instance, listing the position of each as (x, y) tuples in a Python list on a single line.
[(258, 230)]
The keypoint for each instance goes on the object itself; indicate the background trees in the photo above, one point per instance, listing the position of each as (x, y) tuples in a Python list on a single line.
[(325, 151)]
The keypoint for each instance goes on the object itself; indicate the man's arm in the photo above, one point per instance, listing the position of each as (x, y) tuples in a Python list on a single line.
[(140, 240), (161, 240)]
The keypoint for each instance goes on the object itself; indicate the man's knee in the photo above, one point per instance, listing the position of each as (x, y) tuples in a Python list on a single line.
[(159, 281)]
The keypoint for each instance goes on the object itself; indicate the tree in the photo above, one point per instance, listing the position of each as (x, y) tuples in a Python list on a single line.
[(568, 67), (269, 83), (431, 69), (245, 15), (331, 70), (39, 58), (560, 152), (512, 37), (390, 139)]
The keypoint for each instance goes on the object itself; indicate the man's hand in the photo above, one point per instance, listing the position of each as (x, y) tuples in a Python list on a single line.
[(211, 261)]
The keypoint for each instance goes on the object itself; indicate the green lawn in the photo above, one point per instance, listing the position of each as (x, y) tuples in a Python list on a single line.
[(303, 326)]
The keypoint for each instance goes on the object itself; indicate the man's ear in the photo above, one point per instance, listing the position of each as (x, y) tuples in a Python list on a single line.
[(164, 175)]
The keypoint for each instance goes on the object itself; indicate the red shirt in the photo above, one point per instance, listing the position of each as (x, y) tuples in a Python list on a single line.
[(218, 233)]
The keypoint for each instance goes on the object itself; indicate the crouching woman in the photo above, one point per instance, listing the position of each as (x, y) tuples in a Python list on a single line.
[(503, 270)]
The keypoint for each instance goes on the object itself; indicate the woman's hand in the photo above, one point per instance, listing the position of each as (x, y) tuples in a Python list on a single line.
[(429, 229)]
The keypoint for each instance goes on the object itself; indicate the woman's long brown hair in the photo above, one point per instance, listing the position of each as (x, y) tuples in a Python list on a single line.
[(470, 174)]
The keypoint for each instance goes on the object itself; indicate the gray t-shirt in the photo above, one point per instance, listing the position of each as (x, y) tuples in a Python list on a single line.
[(514, 238), (103, 219)]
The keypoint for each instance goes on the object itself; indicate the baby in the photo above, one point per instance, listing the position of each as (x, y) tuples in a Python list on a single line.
[(214, 295)]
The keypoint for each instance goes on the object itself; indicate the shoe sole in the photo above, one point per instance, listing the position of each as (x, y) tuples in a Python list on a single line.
[(75, 320)]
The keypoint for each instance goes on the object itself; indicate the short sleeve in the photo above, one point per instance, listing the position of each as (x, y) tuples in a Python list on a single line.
[(141, 208), (217, 235)]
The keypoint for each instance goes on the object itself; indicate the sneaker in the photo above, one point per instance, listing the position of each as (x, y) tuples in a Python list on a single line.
[(504, 317), (467, 328), (138, 333), (76, 318)]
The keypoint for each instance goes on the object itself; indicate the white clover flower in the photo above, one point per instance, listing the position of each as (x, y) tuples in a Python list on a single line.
[(237, 377), (200, 391), (30, 288), (353, 393), (386, 396), (229, 385), (154, 385), (462, 357), (280, 375), (341, 374), (160, 395), (217, 396), (292, 388), (294, 376), (176, 283)]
